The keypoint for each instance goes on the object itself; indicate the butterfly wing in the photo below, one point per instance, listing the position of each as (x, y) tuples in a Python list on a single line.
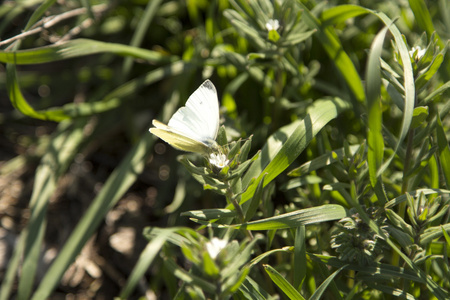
[(199, 119), (178, 140)]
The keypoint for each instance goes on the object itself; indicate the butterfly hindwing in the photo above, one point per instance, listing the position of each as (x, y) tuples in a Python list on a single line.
[(177, 140)]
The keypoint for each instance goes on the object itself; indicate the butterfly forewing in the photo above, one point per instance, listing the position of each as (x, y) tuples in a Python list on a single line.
[(199, 118)]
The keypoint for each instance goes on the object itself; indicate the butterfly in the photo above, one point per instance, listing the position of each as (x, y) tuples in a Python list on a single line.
[(194, 127)]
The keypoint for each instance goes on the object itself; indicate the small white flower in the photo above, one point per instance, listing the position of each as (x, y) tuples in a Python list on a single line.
[(419, 54), (219, 160), (215, 246), (272, 25)]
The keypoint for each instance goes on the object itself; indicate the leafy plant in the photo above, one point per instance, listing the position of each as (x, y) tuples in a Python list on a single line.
[(333, 176)]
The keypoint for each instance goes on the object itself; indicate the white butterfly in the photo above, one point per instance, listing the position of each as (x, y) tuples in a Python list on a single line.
[(194, 127)]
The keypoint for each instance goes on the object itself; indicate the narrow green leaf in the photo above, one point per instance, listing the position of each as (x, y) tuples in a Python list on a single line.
[(423, 18), (375, 139), (209, 214), (321, 289), (432, 233), (419, 116), (299, 257), (444, 151), (429, 72), (18, 100), (189, 278), (38, 13), (139, 34), (341, 13), (282, 283), (322, 161), (408, 84), (436, 92), (413, 194), (252, 290), (254, 202), (297, 218), (145, 260), (335, 51), (446, 236), (78, 48)]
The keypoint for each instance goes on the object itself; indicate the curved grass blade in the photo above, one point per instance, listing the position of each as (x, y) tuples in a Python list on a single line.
[(375, 139), (321, 289), (282, 283), (78, 48), (408, 84), (341, 13)]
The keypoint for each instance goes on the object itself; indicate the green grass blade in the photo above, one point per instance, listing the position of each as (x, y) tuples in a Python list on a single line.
[(335, 51), (322, 161), (423, 19), (116, 185), (113, 100), (341, 13), (299, 257), (444, 151), (252, 290), (11, 271), (283, 147), (38, 13), (60, 152), (297, 218), (139, 34), (321, 289), (78, 48), (145, 259), (408, 84), (282, 283), (18, 100), (414, 194), (375, 139)]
